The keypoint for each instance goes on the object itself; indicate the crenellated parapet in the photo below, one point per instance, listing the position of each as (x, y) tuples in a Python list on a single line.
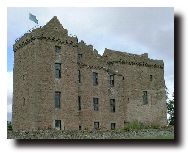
[(53, 31), (83, 47), (28, 38), (116, 57)]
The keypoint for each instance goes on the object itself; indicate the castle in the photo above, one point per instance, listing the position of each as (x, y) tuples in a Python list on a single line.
[(60, 83)]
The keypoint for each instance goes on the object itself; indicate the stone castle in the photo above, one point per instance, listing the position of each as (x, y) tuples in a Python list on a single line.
[(60, 83)]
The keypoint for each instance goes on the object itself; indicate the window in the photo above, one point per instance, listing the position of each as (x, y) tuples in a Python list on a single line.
[(57, 99), (58, 70), (145, 97), (96, 125), (151, 77), (112, 105), (79, 76), (95, 78), (79, 103), (113, 126), (79, 56), (96, 104), (23, 101), (112, 80), (57, 49), (80, 127), (58, 124)]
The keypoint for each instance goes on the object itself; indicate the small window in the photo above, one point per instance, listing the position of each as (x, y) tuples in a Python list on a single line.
[(57, 49), (145, 97), (95, 78), (79, 76), (113, 126), (80, 127), (79, 103), (57, 99), (96, 125), (95, 104), (79, 56), (23, 101), (112, 105), (151, 77), (123, 78), (58, 124), (112, 80), (58, 70)]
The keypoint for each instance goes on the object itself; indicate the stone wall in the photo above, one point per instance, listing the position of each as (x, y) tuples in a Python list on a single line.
[(167, 133), (136, 80), (35, 57), (24, 87)]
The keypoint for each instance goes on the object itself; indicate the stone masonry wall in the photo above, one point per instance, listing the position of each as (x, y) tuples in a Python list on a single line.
[(137, 80), (24, 87), (39, 111)]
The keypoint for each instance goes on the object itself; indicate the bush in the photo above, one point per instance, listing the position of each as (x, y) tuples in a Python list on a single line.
[(9, 126), (132, 126), (135, 126), (154, 126), (170, 110)]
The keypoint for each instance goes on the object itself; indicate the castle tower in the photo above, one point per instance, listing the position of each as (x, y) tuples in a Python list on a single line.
[(45, 79)]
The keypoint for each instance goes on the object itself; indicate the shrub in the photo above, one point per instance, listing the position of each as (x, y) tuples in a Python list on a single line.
[(154, 126), (170, 110), (132, 126), (9, 126), (135, 126)]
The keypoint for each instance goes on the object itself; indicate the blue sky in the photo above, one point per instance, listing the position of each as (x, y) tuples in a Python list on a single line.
[(134, 30)]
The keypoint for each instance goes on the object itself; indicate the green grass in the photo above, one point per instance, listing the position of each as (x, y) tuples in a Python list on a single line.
[(170, 137), (164, 137)]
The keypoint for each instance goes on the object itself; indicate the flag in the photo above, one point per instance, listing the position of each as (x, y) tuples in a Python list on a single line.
[(33, 18)]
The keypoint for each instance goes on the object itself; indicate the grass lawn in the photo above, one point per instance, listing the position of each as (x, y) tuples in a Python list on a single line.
[(171, 137)]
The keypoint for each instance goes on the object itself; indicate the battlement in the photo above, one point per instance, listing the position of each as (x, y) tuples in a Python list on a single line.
[(84, 47), (41, 34), (52, 31), (112, 57)]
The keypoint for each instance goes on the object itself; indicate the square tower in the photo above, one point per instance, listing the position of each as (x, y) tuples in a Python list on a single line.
[(45, 79)]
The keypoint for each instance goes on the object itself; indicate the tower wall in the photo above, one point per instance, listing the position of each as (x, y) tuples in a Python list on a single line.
[(35, 59), (141, 74), (24, 87)]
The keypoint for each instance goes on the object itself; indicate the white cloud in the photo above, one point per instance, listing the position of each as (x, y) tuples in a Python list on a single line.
[(169, 80), (9, 91)]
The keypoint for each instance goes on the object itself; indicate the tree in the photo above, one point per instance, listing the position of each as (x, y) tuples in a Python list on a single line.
[(9, 126), (170, 111)]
